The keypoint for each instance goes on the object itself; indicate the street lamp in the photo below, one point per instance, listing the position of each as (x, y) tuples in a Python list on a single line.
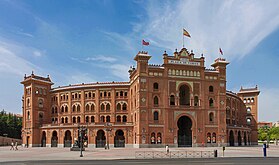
[(108, 128), (82, 130)]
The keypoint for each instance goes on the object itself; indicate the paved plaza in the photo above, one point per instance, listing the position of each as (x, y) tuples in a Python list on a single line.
[(26, 154)]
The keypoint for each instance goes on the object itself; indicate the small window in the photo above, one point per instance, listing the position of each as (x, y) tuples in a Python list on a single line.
[(196, 101), (121, 93), (249, 121), (74, 108), (78, 108), (102, 118), (87, 119), (156, 101), (208, 137), (62, 120), (62, 109), (172, 100), (211, 102), (41, 103), (78, 119), (118, 107), (126, 94), (74, 119), (102, 107), (92, 119), (124, 107), (107, 118), (210, 88), (248, 110), (66, 120), (211, 116), (155, 86), (28, 115), (118, 119), (124, 119), (252, 100), (244, 101), (213, 137), (92, 107), (156, 116), (87, 107), (66, 108), (108, 107)]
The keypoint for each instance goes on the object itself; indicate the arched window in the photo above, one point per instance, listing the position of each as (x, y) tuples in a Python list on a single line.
[(244, 101), (196, 101), (124, 119), (28, 115), (74, 119), (87, 119), (66, 108), (249, 121), (156, 101), (211, 102), (172, 100), (108, 94), (184, 94), (126, 94), (208, 137), (28, 102), (252, 100), (118, 107), (55, 109), (248, 101), (105, 94), (66, 120), (62, 120), (102, 118), (74, 108), (89, 94), (213, 137), (92, 107), (107, 118), (159, 138), (78, 108), (92, 119), (211, 116), (52, 110), (121, 93), (41, 103), (87, 107), (62, 109), (124, 107), (102, 107), (153, 138), (118, 119), (248, 110), (156, 116), (108, 107), (78, 119), (210, 88), (155, 86)]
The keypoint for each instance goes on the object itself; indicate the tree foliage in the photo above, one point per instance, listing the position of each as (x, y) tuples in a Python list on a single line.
[(268, 133), (10, 125)]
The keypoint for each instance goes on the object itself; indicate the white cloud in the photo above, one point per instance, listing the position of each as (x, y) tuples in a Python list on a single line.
[(120, 70), (11, 63), (235, 26), (37, 53), (101, 58)]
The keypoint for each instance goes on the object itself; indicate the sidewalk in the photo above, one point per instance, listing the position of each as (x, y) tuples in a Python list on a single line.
[(39, 153)]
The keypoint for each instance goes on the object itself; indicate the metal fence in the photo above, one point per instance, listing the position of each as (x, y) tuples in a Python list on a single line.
[(173, 154)]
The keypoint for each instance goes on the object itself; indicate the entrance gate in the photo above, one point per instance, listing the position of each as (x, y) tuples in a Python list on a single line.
[(184, 132)]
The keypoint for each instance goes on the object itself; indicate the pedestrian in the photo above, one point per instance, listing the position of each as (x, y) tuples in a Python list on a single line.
[(167, 149), (12, 145), (16, 146)]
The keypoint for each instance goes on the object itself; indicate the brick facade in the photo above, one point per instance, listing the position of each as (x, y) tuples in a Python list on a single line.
[(179, 103)]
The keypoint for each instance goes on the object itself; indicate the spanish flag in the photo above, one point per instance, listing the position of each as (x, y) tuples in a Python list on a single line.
[(185, 33)]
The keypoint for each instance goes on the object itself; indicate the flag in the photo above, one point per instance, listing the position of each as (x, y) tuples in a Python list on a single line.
[(185, 33), (221, 51), (145, 43)]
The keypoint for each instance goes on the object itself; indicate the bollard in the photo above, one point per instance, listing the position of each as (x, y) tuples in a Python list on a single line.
[(215, 153), (224, 151), (264, 149)]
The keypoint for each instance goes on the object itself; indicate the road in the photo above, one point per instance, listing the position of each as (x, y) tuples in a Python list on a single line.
[(193, 161)]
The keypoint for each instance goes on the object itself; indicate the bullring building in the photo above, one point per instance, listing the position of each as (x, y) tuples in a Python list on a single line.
[(179, 103)]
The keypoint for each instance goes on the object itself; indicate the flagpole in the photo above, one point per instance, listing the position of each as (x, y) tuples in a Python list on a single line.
[(183, 41)]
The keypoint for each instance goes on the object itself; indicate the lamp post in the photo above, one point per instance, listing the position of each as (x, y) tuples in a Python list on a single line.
[(108, 128), (82, 130)]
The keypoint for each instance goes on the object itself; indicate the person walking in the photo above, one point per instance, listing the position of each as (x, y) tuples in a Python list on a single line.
[(167, 149), (12, 145), (16, 146)]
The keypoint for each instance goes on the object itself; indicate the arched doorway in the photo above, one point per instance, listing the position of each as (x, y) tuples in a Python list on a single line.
[(100, 139), (54, 139), (43, 143), (184, 132), (245, 139), (239, 138), (67, 139), (119, 139), (231, 138), (184, 95)]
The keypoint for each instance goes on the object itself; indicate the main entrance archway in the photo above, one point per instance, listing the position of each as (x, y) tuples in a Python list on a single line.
[(67, 139), (119, 139), (184, 132), (54, 139), (100, 139)]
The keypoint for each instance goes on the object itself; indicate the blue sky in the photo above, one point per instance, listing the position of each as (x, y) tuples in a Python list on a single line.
[(88, 41)]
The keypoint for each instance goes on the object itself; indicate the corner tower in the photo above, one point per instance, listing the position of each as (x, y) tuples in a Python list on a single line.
[(36, 108), (249, 97)]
